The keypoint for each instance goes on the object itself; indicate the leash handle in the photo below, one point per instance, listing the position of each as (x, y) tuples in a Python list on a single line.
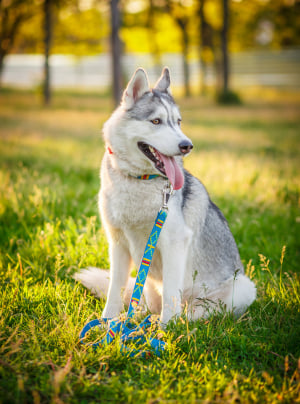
[(129, 333)]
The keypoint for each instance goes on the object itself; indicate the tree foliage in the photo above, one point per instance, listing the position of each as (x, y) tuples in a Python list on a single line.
[(264, 24), (13, 13), (77, 30), (191, 27), (153, 26)]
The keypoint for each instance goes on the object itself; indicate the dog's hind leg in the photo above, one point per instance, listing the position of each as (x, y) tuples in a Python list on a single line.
[(236, 294)]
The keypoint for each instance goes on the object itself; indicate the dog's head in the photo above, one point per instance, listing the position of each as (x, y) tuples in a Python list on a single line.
[(144, 133)]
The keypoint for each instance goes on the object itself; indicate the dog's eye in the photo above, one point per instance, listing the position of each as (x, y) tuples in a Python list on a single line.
[(156, 121), (179, 122)]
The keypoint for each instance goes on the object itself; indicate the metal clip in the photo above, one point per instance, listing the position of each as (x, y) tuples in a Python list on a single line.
[(167, 192)]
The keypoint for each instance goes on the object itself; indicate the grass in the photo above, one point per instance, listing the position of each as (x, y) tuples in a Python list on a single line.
[(248, 158)]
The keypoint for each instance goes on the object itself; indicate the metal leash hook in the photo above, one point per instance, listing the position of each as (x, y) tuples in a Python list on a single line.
[(167, 192)]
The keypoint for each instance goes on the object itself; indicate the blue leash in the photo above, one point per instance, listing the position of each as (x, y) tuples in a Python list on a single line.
[(127, 330)]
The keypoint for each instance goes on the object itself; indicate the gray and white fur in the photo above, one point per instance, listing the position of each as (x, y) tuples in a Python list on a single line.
[(196, 264)]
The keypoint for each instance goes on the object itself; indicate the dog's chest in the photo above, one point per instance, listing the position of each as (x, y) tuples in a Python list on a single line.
[(130, 204)]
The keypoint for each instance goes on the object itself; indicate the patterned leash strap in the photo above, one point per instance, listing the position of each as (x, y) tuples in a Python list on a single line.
[(127, 330)]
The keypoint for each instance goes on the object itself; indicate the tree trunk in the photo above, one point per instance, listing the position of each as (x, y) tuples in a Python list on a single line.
[(203, 44), (225, 61), (182, 23), (9, 26), (116, 50), (155, 51), (2, 56), (186, 70), (47, 44)]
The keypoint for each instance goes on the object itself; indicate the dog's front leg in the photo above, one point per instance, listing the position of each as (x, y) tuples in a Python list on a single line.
[(173, 276), (119, 272), (174, 258)]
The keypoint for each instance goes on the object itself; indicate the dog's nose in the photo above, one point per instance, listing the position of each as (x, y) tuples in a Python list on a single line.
[(185, 146)]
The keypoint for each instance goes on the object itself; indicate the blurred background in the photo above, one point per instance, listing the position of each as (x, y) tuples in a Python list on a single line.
[(209, 45)]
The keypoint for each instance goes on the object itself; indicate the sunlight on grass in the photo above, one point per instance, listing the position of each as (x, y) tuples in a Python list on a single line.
[(248, 159)]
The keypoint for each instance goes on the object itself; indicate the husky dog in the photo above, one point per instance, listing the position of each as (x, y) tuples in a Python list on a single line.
[(196, 263)]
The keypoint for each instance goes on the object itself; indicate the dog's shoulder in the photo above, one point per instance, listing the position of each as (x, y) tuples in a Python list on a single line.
[(192, 191)]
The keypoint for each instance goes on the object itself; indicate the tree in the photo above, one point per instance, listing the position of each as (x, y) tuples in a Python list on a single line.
[(206, 44), (13, 13), (181, 16), (265, 24), (224, 46), (150, 24), (48, 14), (116, 50), (226, 96), (47, 6)]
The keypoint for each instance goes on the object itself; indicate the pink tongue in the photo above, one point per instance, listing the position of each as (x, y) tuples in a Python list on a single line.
[(173, 171)]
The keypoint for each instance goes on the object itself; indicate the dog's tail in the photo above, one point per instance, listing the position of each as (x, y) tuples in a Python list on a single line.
[(97, 281)]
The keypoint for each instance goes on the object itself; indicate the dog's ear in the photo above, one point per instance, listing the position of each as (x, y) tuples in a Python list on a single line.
[(136, 88), (163, 83)]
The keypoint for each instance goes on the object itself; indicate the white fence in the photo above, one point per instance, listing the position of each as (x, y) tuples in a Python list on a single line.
[(264, 68)]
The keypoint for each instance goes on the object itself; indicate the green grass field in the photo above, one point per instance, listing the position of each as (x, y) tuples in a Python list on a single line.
[(248, 157)]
